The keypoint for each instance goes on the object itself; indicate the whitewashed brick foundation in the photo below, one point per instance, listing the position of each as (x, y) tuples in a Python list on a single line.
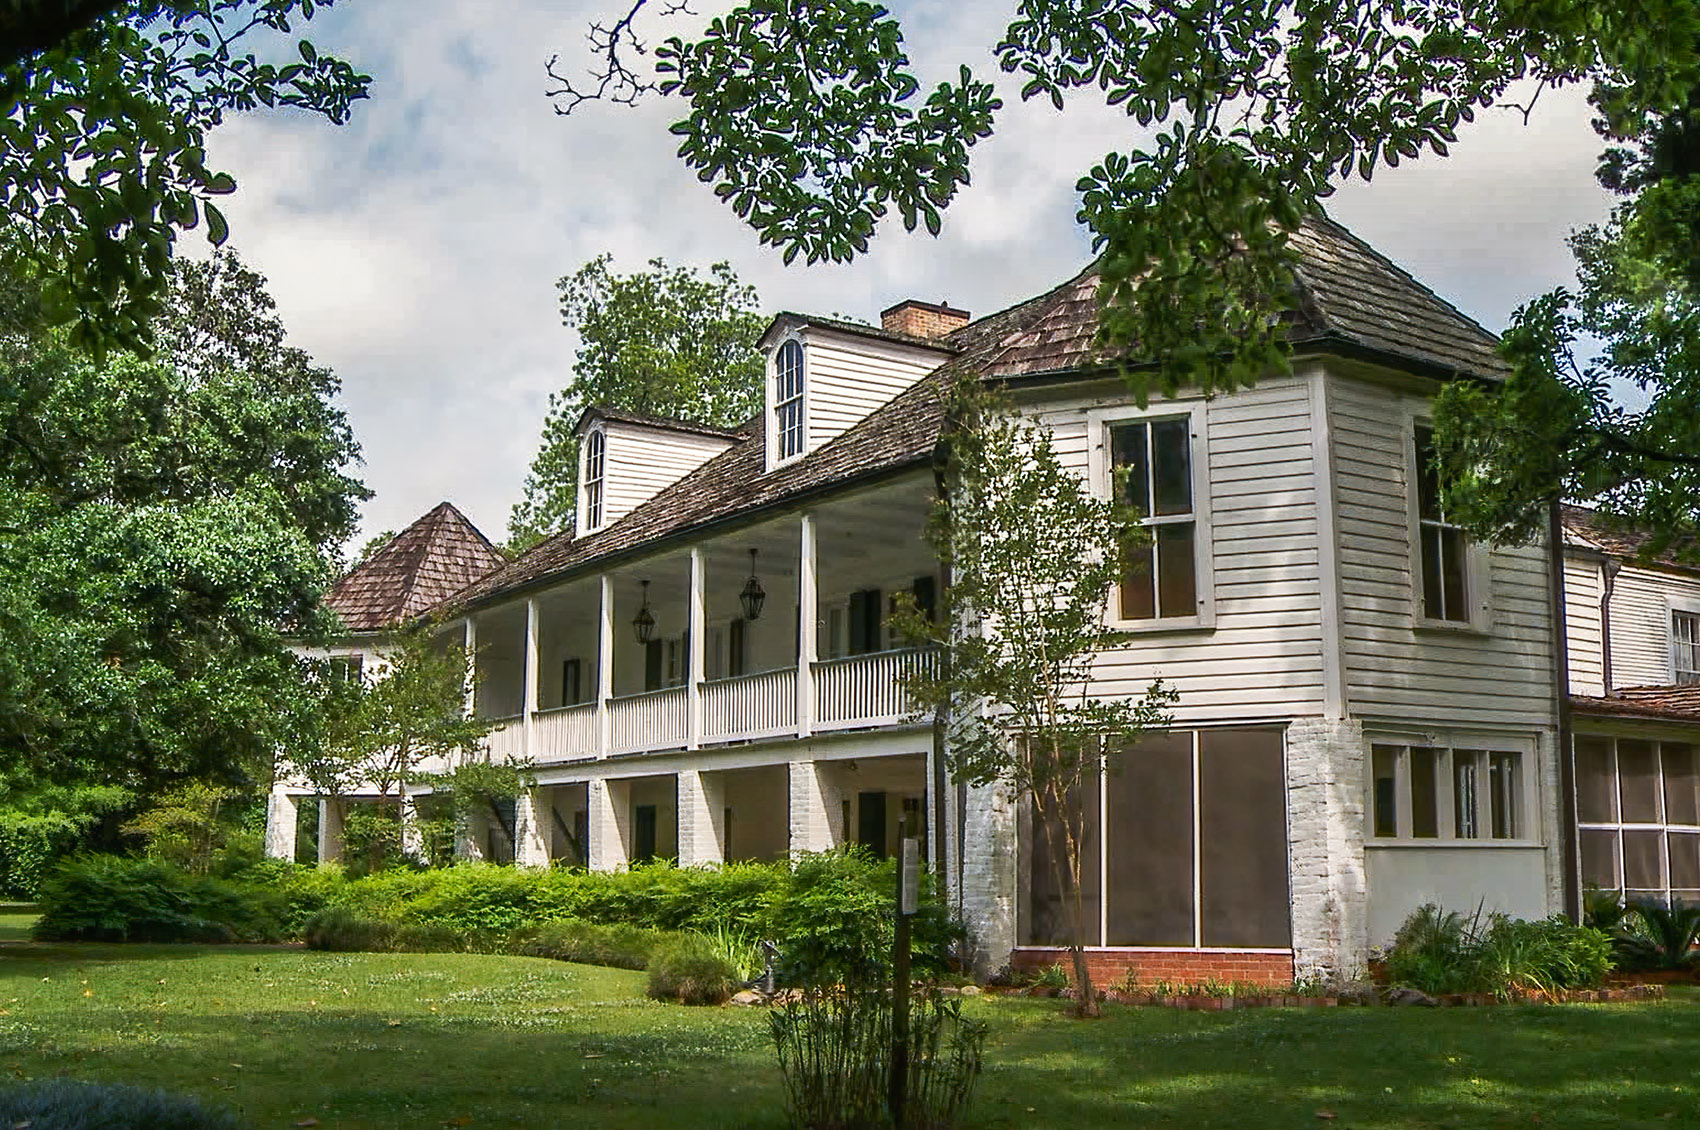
[(608, 813), (815, 807), (530, 848), (331, 813), (702, 812), (469, 836), (281, 816), (989, 881), (412, 840), (1325, 836)]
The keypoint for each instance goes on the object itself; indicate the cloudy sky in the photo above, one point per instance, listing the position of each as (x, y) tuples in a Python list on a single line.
[(415, 250)]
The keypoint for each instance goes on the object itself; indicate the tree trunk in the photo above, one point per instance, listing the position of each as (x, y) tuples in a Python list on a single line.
[(1066, 864)]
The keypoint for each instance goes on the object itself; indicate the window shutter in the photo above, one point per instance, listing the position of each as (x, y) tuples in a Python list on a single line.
[(859, 623), (925, 592), (652, 665), (570, 689), (735, 648)]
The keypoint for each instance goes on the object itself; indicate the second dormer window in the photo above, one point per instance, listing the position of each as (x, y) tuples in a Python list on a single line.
[(595, 453), (788, 400)]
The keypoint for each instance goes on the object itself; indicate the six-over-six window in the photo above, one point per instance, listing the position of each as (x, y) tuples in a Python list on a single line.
[(1444, 552), (1433, 793), (788, 400), (1153, 462)]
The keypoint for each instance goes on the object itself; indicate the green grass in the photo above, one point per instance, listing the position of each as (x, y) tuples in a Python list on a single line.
[(370, 1041), (15, 927)]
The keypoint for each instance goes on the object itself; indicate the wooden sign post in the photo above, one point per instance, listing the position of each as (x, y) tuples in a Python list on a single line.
[(908, 898)]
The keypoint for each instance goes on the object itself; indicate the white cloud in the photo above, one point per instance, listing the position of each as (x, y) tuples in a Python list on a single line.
[(416, 249)]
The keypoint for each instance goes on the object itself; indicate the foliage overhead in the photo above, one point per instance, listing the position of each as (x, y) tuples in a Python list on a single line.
[(104, 114), (163, 523), (663, 342), (1033, 560), (1242, 118)]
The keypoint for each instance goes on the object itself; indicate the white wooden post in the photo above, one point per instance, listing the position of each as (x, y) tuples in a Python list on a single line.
[(806, 645), (470, 646), (693, 676), (528, 737), (605, 668)]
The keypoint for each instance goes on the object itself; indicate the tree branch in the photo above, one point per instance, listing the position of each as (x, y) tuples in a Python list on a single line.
[(29, 27), (614, 80)]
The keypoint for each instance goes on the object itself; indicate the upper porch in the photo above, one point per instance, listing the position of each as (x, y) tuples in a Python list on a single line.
[(706, 644)]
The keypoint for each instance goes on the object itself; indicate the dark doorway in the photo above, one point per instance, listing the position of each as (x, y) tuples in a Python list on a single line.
[(643, 833), (870, 822)]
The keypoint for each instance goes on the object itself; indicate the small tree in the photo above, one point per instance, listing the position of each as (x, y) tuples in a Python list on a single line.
[(380, 733), (186, 824), (1033, 559)]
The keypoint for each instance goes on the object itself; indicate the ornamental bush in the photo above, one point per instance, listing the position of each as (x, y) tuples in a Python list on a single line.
[(1439, 951), (106, 898), (688, 970), (68, 1104)]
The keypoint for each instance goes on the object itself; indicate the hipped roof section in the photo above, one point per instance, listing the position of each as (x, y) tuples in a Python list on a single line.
[(413, 572), (1349, 298), (1670, 703)]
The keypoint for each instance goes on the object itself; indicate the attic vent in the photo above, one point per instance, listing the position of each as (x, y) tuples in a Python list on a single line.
[(922, 319)]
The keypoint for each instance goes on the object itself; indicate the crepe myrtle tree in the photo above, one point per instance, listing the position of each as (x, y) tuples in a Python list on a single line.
[(1243, 116), (1033, 559)]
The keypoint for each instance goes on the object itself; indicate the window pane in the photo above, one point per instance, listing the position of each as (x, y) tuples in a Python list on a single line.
[(1642, 867), (1177, 590), (1139, 596), (1428, 481), (1127, 444), (1465, 771), (1596, 785), (1599, 858), (1684, 848), (1243, 839), (1385, 760), (1051, 916), (1685, 644), (1425, 814), (1173, 466), (1452, 574), (1638, 781), (1150, 843), (1504, 800), (1434, 601), (1682, 786)]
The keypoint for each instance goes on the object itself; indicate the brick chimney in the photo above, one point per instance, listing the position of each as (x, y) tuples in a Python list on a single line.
[(922, 319)]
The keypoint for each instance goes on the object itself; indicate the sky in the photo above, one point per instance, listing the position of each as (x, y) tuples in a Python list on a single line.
[(415, 250)]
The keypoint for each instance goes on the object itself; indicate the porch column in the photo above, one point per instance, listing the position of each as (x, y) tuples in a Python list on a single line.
[(816, 808), (470, 832), (609, 810), (605, 668), (694, 637), (528, 707), (331, 813), (702, 812), (989, 888), (470, 646), (807, 649), (531, 849), (412, 840), (281, 815), (1325, 847)]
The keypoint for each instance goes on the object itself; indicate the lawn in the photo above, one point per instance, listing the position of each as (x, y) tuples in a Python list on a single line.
[(370, 1041)]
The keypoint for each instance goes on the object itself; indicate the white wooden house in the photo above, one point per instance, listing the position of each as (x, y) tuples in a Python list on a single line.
[(1370, 706)]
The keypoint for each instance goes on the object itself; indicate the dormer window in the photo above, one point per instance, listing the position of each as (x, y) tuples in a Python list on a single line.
[(788, 400), (595, 456)]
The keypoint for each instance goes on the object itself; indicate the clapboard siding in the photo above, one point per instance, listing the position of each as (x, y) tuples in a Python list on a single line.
[(1641, 603), (1393, 669), (1263, 658), (846, 377), (639, 461), (1582, 585)]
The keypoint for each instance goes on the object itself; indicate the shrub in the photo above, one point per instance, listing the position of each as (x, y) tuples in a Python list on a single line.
[(739, 950), (588, 943), (1651, 936), (689, 970), (1440, 952), (67, 1104), (112, 899)]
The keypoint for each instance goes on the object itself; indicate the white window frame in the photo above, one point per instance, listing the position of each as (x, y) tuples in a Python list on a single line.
[(1100, 422), (775, 434), (1478, 589), (1677, 606), (1450, 750), (593, 513)]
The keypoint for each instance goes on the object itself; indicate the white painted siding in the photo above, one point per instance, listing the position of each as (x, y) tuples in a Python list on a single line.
[(1262, 658), (1641, 602), (1501, 674), (641, 461), (1582, 626), (845, 377)]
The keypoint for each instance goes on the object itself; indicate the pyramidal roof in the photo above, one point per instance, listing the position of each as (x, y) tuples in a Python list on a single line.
[(437, 556)]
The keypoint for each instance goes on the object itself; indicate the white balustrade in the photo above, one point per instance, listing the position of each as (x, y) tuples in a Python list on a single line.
[(563, 733), (655, 720), (865, 690), (508, 742), (762, 705)]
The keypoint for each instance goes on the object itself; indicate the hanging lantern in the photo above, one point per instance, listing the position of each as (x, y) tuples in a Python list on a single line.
[(753, 596), (643, 624)]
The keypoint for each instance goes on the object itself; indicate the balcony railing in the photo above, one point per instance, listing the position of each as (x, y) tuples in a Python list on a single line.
[(864, 690), (763, 705), (655, 720), (564, 732), (507, 742)]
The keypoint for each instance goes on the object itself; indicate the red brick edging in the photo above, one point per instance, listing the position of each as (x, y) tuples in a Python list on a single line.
[(1109, 966)]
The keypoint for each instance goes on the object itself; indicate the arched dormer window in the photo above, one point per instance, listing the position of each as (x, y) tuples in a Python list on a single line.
[(788, 400), (595, 452)]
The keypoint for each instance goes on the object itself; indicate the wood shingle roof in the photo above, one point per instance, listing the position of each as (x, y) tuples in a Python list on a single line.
[(419, 568), (1349, 297)]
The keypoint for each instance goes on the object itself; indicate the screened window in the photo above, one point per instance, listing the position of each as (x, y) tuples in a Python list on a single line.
[(1444, 550), (346, 668), (1184, 844), (788, 400), (1638, 815), (1153, 462), (595, 460), (1685, 645), (1426, 793)]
